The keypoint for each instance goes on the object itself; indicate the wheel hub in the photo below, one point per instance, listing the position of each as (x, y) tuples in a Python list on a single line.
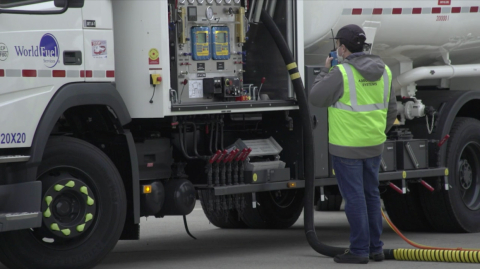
[(68, 207), (466, 174)]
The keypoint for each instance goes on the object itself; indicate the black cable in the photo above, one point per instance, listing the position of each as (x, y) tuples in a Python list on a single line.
[(151, 99), (186, 227)]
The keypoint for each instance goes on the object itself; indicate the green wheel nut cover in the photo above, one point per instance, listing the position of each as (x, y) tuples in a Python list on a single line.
[(80, 228), (90, 201), (84, 190), (66, 231), (54, 227), (47, 213), (88, 217), (48, 200), (70, 184), (58, 187)]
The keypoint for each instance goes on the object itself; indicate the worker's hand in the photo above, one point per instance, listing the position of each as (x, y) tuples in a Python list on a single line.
[(328, 62)]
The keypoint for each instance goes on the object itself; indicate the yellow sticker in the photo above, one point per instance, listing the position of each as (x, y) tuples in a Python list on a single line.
[(404, 174), (255, 177), (446, 171), (333, 171), (153, 54)]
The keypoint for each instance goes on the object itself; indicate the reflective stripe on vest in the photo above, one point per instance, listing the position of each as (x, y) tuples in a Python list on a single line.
[(353, 94)]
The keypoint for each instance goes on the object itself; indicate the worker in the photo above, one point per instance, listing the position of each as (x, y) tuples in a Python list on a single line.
[(361, 110)]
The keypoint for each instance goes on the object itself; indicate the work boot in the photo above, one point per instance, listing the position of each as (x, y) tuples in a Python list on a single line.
[(378, 257), (348, 257)]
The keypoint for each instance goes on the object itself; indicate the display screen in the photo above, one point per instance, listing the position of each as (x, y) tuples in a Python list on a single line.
[(221, 38), (201, 38)]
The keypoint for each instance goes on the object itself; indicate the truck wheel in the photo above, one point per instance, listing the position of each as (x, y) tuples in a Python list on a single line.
[(232, 221), (333, 200), (405, 210), (83, 205), (274, 210), (458, 209)]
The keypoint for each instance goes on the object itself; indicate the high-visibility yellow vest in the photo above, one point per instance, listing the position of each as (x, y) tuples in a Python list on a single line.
[(359, 117)]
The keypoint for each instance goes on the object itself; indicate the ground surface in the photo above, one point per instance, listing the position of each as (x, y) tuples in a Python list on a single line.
[(164, 244)]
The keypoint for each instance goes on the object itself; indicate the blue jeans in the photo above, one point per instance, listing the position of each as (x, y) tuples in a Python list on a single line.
[(358, 184)]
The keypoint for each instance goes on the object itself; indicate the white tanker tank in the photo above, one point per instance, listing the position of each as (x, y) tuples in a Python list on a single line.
[(407, 35)]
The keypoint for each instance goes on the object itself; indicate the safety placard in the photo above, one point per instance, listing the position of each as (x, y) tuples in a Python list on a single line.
[(195, 89), (153, 57)]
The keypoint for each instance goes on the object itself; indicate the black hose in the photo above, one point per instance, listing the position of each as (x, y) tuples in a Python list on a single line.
[(183, 142), (211, 138), (309, 143)]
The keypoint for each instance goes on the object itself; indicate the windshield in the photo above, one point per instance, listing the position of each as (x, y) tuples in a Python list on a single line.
[(16, 3)]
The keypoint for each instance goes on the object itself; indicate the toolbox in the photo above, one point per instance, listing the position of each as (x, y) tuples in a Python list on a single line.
[(388, 162), (412, 154)]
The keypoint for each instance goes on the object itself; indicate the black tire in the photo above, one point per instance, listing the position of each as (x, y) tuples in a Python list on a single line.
[(405, 210), (274, 210), (458, 209), (333, 200), (232, 221), (71, 160)]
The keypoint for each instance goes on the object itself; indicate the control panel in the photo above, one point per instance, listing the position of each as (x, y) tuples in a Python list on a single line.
[(209, 51)]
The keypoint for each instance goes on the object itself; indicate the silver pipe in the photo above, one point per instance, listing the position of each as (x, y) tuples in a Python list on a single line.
[(250, 12), (258, 11), (271, 8)]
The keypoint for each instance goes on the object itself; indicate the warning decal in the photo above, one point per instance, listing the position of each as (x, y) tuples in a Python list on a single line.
[(153, 57)]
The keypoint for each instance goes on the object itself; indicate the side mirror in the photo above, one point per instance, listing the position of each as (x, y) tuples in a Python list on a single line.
[(71, 3)]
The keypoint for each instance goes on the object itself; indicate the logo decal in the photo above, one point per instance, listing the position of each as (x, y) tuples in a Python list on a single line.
[(99, 49), (48, 49), (3, 52), (153, 56)]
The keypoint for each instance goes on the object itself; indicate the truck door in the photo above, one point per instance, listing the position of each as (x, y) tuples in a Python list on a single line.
[(38, 55)]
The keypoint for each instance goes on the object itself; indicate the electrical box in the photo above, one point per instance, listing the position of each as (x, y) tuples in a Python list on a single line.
[(200, 43), (220, 43)]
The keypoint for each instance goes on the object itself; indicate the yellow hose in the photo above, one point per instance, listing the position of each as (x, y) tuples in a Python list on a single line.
[(433, 254)]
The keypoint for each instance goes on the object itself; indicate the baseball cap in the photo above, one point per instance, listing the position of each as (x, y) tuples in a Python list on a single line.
[(352, 36)]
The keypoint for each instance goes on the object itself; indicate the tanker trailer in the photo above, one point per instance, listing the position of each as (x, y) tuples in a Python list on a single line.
[(433, 50)]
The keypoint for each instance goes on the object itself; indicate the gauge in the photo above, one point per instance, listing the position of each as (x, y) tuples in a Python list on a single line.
[(200, 1), (191, 1), (218, 1), (209, 1), (181, 2), (236, 1), (209, 13), (228, 1)]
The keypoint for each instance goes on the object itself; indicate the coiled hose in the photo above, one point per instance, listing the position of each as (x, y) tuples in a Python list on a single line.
[(398, 254)]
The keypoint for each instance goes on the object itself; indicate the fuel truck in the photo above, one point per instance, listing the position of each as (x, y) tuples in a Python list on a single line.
[(114, 110)]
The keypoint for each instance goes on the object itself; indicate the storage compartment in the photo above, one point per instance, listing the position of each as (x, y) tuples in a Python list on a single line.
[(388, 162), (412, 154), (154, 158)]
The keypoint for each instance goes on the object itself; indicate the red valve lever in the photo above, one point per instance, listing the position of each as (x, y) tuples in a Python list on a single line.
[(231, 155), (263, 80), (395, 188), (443, 140), (426, 185), (214, 157), (246, 154), (223, 156), (239, 157)]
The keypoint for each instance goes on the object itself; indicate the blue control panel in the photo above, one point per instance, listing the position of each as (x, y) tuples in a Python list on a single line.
[(220, 43), (200, 43)]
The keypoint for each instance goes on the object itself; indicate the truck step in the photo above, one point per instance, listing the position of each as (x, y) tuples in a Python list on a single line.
[(14, 158), (20, 220)]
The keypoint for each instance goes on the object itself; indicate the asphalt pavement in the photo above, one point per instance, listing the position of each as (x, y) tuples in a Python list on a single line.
[(165, 244)]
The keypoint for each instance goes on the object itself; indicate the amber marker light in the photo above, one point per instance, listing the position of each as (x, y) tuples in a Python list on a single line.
[(291, 185), (147, 188)]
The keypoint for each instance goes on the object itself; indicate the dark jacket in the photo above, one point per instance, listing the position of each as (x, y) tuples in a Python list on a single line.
[(328, 89)]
